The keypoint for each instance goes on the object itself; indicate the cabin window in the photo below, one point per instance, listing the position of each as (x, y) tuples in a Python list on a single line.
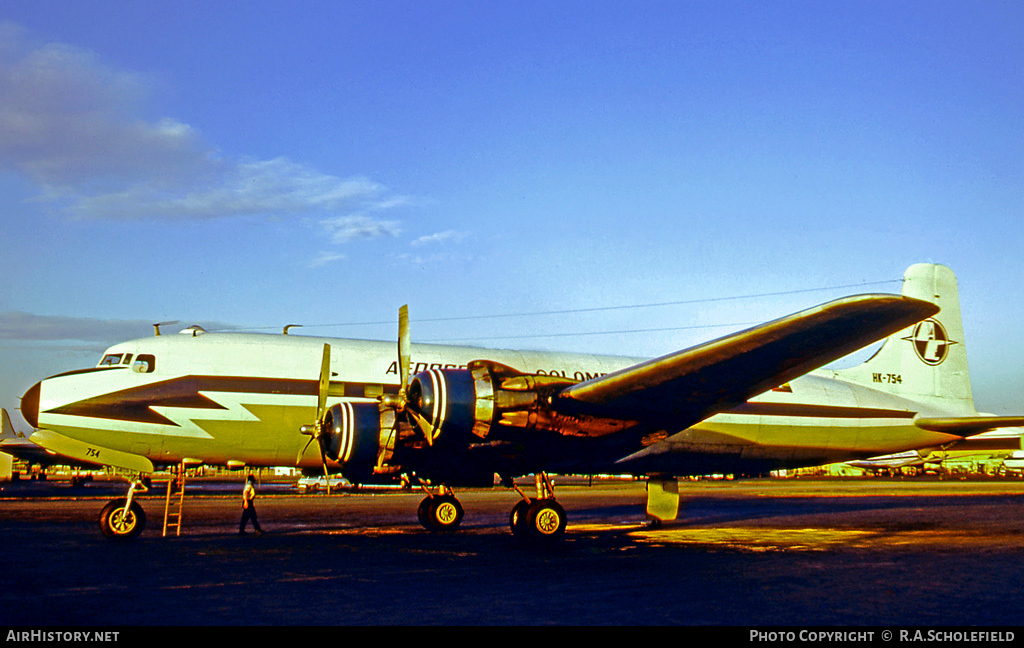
[(144, 363), (111, 359)]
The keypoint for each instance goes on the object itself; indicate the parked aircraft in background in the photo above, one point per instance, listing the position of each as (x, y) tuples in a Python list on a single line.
[(746, 403), (23, 449), (1014, 464), (896, 462), (980, 449)]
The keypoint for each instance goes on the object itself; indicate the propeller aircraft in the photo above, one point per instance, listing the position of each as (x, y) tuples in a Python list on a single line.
[(449, 417)]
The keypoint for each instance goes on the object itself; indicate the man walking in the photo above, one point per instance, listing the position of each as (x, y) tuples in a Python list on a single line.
[(249, 507)]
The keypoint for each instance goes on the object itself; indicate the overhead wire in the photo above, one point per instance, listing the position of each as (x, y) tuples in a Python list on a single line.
[(595, 309), (587, 333)]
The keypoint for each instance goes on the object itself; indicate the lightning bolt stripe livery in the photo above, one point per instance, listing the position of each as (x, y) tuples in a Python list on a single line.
[(136, 404)]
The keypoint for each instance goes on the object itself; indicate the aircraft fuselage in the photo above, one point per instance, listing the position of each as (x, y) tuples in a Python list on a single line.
[(241, 399)]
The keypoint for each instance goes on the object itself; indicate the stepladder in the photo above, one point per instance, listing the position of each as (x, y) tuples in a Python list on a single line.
[(174, 505)]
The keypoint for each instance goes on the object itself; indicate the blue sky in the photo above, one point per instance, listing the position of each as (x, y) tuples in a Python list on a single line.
[(256, 164)]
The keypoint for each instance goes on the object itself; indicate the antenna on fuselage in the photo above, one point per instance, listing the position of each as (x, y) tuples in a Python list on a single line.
[(156, 327), (285, 331)]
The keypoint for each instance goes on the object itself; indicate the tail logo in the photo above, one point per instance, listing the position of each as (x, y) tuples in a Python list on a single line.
[(930, 341)]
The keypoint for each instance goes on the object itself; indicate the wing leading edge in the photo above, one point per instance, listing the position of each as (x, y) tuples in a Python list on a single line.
[(685, 387)]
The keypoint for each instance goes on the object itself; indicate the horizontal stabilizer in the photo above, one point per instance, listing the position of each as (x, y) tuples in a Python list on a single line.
[(90, 453), (688, 386), (966, 426)]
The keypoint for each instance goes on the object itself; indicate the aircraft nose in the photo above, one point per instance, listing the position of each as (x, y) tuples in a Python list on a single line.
[(30, 405)]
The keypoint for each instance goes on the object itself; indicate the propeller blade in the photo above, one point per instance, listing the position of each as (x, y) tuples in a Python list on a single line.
[(327, 474), (306, 447), (428, 429), (321, 407), (401, 402), (325, 383), (323, 386), (307, 430), (404, 349)]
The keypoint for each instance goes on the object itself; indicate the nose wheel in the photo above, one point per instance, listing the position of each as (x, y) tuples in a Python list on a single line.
[(123, 519)]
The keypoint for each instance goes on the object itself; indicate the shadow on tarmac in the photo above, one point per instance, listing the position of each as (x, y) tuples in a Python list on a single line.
[(363, 560)]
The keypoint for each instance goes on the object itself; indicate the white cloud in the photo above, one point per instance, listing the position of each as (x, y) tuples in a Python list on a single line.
[(440, 237), (19, 325), (68, 121), (326, 257), (272, 187), (77, 128), (343, 229)]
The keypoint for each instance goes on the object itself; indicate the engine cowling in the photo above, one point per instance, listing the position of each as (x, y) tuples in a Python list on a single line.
[(447, 418), (454, 405), (360, 437), (460, 406)]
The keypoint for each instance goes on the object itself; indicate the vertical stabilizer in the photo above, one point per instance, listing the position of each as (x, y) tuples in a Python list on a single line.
[(6, 427), (927, 361)]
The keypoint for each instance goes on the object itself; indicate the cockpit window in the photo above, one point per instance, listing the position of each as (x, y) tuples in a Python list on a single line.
[(127, 359), (144, 363), (111, 359)]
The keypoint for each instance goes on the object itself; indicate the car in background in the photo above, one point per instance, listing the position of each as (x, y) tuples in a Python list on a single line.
[(319, 483)]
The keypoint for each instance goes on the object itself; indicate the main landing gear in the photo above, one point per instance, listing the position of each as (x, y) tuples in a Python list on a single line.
[(541, 519), (537, 520), (123, 518), (440, 512)]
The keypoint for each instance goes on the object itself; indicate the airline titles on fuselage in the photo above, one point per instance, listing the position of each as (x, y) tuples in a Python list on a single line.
[(562, 373)]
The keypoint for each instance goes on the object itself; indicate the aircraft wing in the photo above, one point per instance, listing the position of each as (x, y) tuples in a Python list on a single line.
[(89, 453), (683, 388)]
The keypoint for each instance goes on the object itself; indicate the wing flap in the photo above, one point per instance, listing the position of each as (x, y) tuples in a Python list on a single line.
[(685, 387)]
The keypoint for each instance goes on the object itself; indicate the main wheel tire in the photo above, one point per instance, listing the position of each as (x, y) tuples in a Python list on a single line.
[(118, 524), (441, 513), (423, 514), (517, 518), (545, 522)]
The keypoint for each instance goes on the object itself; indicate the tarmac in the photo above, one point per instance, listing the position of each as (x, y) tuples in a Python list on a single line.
[(754, 553)]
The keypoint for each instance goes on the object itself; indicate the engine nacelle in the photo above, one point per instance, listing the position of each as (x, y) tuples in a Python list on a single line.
[(454, 404), (360, 437), (465, 405)]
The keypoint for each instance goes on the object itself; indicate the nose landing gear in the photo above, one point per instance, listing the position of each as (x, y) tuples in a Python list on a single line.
[(123, 518)]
